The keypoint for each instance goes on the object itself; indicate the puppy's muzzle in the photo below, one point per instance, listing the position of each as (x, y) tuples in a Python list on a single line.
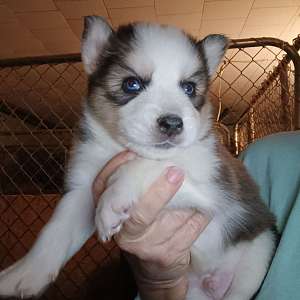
[(170, 125)]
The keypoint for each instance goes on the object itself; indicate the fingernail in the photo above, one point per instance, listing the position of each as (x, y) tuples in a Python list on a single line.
[(174, 175), (131, 156)]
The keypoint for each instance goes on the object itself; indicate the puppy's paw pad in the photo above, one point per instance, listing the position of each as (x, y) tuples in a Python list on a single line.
[(109, 222)]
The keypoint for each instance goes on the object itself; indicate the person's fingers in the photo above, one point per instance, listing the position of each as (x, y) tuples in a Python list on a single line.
[(100, 180), (165, 246), (171, 220), (160, 231), (189, 232), (157, 196)]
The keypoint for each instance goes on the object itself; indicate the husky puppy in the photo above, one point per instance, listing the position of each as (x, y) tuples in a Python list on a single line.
[(148, 92)]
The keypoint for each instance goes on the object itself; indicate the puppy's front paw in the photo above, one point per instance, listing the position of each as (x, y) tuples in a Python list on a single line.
[(109, 220), (26, 278), (112, 211), (115, 203)]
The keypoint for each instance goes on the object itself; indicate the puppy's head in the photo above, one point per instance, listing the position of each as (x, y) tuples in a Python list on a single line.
[(148, 84)]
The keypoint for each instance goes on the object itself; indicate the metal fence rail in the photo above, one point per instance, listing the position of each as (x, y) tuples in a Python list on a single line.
[(256, 92), (275, 106)]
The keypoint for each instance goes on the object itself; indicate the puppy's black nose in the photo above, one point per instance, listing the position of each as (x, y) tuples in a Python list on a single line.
[(170, 124)]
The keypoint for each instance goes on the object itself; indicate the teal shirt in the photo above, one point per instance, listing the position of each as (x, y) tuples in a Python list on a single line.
[(274, 163)]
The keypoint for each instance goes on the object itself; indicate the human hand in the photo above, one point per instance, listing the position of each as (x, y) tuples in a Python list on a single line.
[(157, 240)]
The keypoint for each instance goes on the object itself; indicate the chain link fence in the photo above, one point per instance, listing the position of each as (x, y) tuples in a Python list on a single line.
[(271, 108), (255, 93)]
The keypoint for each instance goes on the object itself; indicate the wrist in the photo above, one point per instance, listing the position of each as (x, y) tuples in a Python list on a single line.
[(175, 290), (157, 281)]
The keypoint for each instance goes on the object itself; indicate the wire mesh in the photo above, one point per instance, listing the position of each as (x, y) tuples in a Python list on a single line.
[(270, 111), (256, 90), (40, 103)]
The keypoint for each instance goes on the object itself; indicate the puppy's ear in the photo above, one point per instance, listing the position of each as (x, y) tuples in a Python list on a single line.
[(95, 36), (213, 48)]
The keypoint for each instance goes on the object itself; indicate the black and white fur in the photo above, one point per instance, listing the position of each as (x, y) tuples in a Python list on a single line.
[(236, 246)]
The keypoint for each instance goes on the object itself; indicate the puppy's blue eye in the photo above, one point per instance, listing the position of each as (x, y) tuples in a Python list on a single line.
[(132, 85), (189, 88)]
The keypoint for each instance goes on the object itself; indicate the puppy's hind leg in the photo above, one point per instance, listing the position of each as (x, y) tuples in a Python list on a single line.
[(252, 268), (70, 226)]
